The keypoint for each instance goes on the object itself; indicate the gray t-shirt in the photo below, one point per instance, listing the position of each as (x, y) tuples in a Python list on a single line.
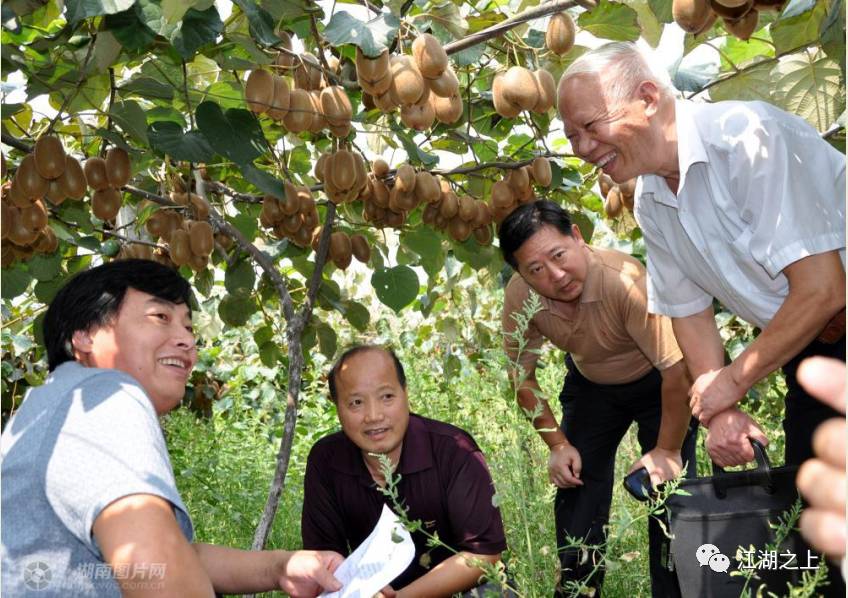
[(82, 440)]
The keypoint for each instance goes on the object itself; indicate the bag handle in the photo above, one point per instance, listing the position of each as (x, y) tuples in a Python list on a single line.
[(761, 476)]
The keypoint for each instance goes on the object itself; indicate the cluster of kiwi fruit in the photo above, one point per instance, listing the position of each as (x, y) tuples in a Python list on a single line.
[(520, 89), (616, 196), (344, 247), (294, 217), (190, 242), (461, 216), (343, 174), (424, 85), (388, 200), (517, 188), (311, 104), (740, 17), (106, 177), (559, 37)]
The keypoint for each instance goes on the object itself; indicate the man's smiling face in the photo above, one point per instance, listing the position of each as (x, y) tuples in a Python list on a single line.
[(150, 339)]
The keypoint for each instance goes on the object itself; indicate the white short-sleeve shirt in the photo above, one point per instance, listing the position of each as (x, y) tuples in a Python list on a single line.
[(759, 189)]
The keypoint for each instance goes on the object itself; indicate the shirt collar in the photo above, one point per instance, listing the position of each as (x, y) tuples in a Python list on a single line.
[(416, 454), (690, 150)]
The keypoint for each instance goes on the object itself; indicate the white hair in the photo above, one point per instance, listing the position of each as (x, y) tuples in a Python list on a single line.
[(623, 67)]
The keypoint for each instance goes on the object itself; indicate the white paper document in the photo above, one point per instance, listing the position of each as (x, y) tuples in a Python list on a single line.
[(385, 554)]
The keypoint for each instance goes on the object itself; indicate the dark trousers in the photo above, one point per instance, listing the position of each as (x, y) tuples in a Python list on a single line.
[(802, 416), (595, 419)]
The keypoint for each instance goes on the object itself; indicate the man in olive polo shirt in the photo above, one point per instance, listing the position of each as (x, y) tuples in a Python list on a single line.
[(624, 366), (444, 480)]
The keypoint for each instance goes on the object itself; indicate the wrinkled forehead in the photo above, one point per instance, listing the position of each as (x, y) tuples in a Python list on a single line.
[(367, 369)]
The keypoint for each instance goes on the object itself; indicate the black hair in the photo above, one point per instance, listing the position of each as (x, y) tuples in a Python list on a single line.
[(331, 377), (525, 221), (93, 297)]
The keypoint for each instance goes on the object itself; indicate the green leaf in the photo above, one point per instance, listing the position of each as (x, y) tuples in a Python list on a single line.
[(131, 118), (427, 243), (413, 150), (236, 309), (583, 223), (204, 281), (327, 341), (610, 20), (652, 29), (447, 16), (246, 224), (269, 354), (168, 137), (794, 32), (469, 56), (82, 9), (371, 37), (129, 29), (797, 7), (358, 315), (235, 134), (45, 267), (13, 282), (811, 88), (833, 34), (395, 287), (752, 84), (263, 335), (264, 181), (662, 10), (240, 277), (147, 87), (197, 29), (260, 22), (46, 290)]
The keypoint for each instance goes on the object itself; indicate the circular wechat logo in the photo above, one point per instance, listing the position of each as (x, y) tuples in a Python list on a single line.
[(37, 575)]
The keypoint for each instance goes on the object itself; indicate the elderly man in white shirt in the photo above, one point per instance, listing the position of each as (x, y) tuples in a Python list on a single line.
[(738, 201)]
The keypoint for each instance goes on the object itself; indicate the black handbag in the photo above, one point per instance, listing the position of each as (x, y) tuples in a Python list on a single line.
[(727, 523)]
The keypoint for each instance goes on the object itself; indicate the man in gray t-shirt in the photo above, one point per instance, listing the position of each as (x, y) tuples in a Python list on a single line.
[(89, 503)]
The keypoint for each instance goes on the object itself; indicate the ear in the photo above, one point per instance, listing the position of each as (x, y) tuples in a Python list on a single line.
[(575, 232), (81, 344), (650, 94)]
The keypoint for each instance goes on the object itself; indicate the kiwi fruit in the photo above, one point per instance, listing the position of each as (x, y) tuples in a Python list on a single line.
[(449, 205), (518, 180), (430, 57), (118, 167), (299, 116), (628, 187), (395, 219), (541, 170), (259, 90), (55, 193), (16, 196), (380, 197), (559, 37), (447, 110), (744, 27), (407, 83), (341, 131), (340, 249), (732, 3), (302, 237), (180, 247), (35, 216), (519, 87), (459, 229), (7, 213), (612, 203), (46, 242), (547, 90), (200, 207), (708, 25), (318, 169), (484, 215), (359, 247), (307, 72), (502, 195), (385, 101), (691, 15), (19, 233), (280, 99), (483, 235), (605, 183), (405, 178), (292, 223), (370, 70), (73, 179), (197, 262), (427, 188), (733, 13), (446, 84), (290, 203), (467, 208), (179, 198), (49, 157), (377, 87), (336, 105), (342, 174), (380, 168), (306, 203), (95, 173), (285, 42), (30, 184), (420, 116), (106, 203), (156, 224), (502, 105)]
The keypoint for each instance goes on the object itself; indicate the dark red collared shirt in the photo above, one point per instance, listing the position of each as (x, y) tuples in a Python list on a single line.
[(444, 482)]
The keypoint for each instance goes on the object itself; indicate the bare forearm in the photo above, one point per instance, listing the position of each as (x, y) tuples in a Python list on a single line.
[(809, 306), (235, 571), (452, 575), (675, 407), (529, 398), (700, 342)]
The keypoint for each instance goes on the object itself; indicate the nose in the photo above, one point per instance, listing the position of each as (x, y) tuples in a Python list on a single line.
[(584, 145), (373, 411), (183, 337), (556, 272)]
